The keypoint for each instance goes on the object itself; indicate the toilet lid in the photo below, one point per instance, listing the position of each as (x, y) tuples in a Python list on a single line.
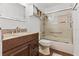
[(45, 42)]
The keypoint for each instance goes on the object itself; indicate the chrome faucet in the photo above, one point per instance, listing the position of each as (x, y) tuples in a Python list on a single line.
[(18, 29)]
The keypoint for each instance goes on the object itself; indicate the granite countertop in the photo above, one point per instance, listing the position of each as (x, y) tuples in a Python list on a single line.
[(14, 35)]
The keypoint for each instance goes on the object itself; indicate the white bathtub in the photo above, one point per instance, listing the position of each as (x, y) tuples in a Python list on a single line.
[(62, 47), (65, 47)]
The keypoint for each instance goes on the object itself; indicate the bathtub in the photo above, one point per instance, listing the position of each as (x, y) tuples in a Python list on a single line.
[(61, 46)]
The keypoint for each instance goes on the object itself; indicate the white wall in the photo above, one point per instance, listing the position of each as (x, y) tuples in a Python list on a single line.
[(10, 24), (76, 31), (33, 24), (29, 10), (12, 10)]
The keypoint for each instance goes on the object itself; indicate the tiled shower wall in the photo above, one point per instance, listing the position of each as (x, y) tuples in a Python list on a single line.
[(58, 26)]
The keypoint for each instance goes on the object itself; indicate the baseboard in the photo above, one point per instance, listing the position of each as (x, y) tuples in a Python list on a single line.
[(61, 52)]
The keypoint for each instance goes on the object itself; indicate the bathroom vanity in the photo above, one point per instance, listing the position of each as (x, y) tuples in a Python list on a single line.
[(21, 44)]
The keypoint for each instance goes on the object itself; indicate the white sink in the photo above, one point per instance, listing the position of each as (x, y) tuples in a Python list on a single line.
[(45, 42)]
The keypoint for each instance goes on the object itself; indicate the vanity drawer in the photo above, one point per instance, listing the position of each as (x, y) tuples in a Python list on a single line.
[(22, 50)]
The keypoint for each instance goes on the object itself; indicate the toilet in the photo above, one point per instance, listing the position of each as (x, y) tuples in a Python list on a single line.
[(44, 47), (45, 42)]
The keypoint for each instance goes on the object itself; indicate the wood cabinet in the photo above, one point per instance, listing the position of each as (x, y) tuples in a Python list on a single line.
[(34, 49), (21, 46), (23, 51)]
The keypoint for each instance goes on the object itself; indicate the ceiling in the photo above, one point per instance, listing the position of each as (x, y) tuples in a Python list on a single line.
[(45, 5), (52, 7)]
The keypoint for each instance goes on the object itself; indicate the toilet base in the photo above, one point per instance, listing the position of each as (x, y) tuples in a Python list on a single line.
[(40, 54)]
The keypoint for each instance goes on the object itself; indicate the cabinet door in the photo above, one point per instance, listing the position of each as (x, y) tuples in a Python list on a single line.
[(22, 52), (34, 49)]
